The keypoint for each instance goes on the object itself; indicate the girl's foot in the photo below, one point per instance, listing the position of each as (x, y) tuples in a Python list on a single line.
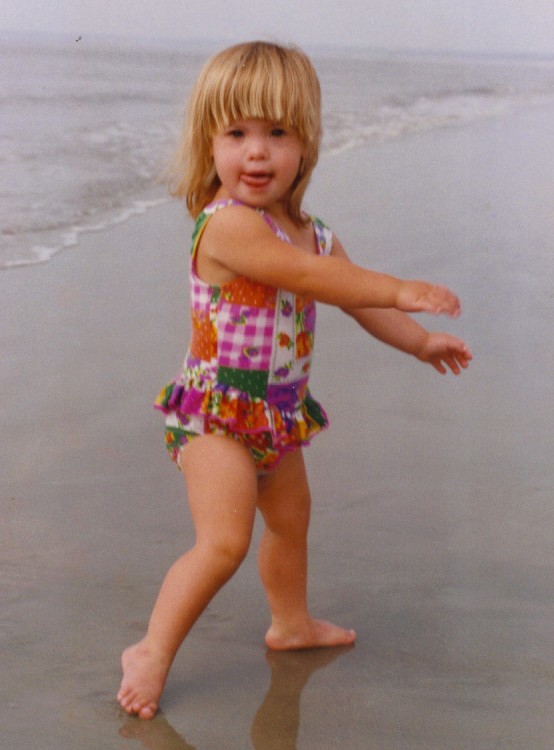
[(144, 678), (311, 634)]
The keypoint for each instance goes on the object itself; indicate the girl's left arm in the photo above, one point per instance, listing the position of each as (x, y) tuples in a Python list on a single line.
[(441, 350)]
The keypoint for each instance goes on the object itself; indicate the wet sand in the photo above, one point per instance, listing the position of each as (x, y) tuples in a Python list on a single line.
[(433, 513)]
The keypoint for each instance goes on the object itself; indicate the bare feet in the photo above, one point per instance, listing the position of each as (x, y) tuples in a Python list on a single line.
[(311, 634), (144, 677)]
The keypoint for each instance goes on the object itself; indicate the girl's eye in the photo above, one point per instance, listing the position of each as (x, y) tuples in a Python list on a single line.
[(235, 133), (278, 132)]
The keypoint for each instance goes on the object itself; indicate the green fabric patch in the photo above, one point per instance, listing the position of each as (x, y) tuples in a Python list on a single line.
[(253, 382), (314, 412)]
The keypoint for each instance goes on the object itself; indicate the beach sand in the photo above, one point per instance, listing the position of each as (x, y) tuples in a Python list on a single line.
[(433, 513)]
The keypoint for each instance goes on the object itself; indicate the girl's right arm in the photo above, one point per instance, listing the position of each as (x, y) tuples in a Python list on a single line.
[(238, 241)]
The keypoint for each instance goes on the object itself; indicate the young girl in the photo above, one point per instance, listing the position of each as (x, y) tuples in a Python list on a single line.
[(240, 411)]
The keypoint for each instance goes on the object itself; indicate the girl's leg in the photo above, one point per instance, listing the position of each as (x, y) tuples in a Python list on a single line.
[(222, 491), (284, 500)]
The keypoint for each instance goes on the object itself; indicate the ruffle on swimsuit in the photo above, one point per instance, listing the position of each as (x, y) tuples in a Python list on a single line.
[(291, 422), (246, 371)]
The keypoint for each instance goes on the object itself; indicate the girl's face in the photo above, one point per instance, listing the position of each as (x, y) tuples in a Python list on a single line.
[(257, 162)]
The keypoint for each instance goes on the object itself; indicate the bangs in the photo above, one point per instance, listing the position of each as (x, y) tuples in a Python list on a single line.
[(253, 100)]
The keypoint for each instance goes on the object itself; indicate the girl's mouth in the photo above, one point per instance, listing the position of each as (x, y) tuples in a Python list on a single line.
[(256, 179)]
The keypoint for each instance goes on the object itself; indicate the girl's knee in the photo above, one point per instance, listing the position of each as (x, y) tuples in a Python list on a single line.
[(287, 510), (290, 523), (228, 552), (234, 553)]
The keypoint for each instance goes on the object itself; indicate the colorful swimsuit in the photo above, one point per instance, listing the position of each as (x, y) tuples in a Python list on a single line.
[(246, 371)]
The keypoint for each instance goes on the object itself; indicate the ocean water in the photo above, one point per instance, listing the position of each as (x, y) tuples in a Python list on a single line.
[(88, 126)]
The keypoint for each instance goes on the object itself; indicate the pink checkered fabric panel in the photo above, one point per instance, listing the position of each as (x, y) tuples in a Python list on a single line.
[(200, 293), (245, 336)]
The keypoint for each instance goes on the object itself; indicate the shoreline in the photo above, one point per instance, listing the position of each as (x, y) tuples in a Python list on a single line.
[(70, 237), (409, 123), (432, 496)]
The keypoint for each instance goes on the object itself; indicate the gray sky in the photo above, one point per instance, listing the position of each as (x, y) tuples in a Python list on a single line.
[(482, 26)]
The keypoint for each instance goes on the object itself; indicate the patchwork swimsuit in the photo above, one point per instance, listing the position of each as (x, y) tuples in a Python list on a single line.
[(246, 371)]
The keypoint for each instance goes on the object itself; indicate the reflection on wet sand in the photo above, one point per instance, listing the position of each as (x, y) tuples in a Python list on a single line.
[(277, 721), (157, 734)]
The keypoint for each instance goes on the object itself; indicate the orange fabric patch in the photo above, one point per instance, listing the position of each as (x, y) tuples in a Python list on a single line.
[(203, 343), (242, 291), (304, 343)]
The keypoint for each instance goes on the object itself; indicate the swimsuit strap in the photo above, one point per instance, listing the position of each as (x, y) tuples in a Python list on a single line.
[(323, 234)]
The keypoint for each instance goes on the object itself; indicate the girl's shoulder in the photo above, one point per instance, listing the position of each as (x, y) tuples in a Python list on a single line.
[(203, 217), (242, 216), (323, 233), (215, 207), (210, 210)]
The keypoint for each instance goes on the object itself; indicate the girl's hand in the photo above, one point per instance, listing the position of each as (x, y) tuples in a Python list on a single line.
[(419, 296), (444, 351)]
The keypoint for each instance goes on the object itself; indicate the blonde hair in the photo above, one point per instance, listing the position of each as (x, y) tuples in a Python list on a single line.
[(255, 80)]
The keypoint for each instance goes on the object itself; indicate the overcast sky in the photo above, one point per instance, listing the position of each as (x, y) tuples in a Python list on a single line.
[(477, 26)]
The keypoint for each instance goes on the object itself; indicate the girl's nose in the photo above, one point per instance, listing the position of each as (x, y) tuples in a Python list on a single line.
[(257, 147)]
